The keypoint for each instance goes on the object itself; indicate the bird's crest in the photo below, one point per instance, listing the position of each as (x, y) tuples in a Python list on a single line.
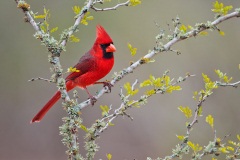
[(102, 36)]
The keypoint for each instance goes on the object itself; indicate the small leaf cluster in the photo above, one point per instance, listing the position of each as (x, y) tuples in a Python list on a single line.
[(209, 87), (160, 85), (223, 78), (44, 34), (73, 38), (186, 111), (105, 110), (133, 50), (233, 149), (130, 90), (195, 147), (77, 10), (217, 147), (45, 25), (134, 2), (220, 9)]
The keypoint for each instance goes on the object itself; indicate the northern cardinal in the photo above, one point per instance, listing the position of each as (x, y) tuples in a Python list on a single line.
[(93, 65)]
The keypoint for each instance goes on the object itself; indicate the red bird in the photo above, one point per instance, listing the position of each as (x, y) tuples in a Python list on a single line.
[(93, 65)]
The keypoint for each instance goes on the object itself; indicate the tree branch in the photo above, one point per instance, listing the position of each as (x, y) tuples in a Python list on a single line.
[(158, 50), (111, 8)]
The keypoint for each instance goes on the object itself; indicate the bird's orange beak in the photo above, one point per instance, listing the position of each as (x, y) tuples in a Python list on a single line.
[(111, 48)]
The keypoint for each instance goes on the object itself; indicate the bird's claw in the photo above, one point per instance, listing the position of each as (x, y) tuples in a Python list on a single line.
[(108, 85), (93, 100)]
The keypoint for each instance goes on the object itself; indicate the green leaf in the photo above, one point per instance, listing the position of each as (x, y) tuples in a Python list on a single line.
[(53, 29), (203, 33), (146, 83), (200, 111), (195, 147), (186, 110), (205, 78), (180, 137), (183, 28), (86, 18), (129, 90), (220, 9), (43, 28), (76, 9), (238, 137), (226, 79), (133, 51), (232, 143), (84, 128), (209, 85), (195, 95), (173, 88), (71, 69), (150, 92), (105, 110), (210, 120), (39, 16), (134, 2), (109, 156), (219, 73), (110, 124), (221, 33), (223, 150), (74, 39), (230, 148), (167, 80)]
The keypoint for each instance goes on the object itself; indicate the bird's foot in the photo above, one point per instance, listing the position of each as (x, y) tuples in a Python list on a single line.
[(93, 100), (108, 85)]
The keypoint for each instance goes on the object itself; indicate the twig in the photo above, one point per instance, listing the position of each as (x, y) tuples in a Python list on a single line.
[(134, 84), (39, 78), (228, 84), (30, 19), (78, 20), (111, 8)]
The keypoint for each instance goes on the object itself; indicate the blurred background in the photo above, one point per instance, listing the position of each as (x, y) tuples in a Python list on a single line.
[(153, 131)]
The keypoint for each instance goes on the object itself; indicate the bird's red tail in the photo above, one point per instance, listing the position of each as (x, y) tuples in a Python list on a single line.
[(47, 106)]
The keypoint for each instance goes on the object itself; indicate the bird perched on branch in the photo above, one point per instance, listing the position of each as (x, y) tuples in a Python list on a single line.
[(92, 66)]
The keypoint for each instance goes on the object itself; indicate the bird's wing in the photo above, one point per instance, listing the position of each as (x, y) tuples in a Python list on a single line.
[(85, 64)]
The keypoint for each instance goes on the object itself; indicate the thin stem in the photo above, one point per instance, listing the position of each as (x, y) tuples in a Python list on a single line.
[(111, 8)]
